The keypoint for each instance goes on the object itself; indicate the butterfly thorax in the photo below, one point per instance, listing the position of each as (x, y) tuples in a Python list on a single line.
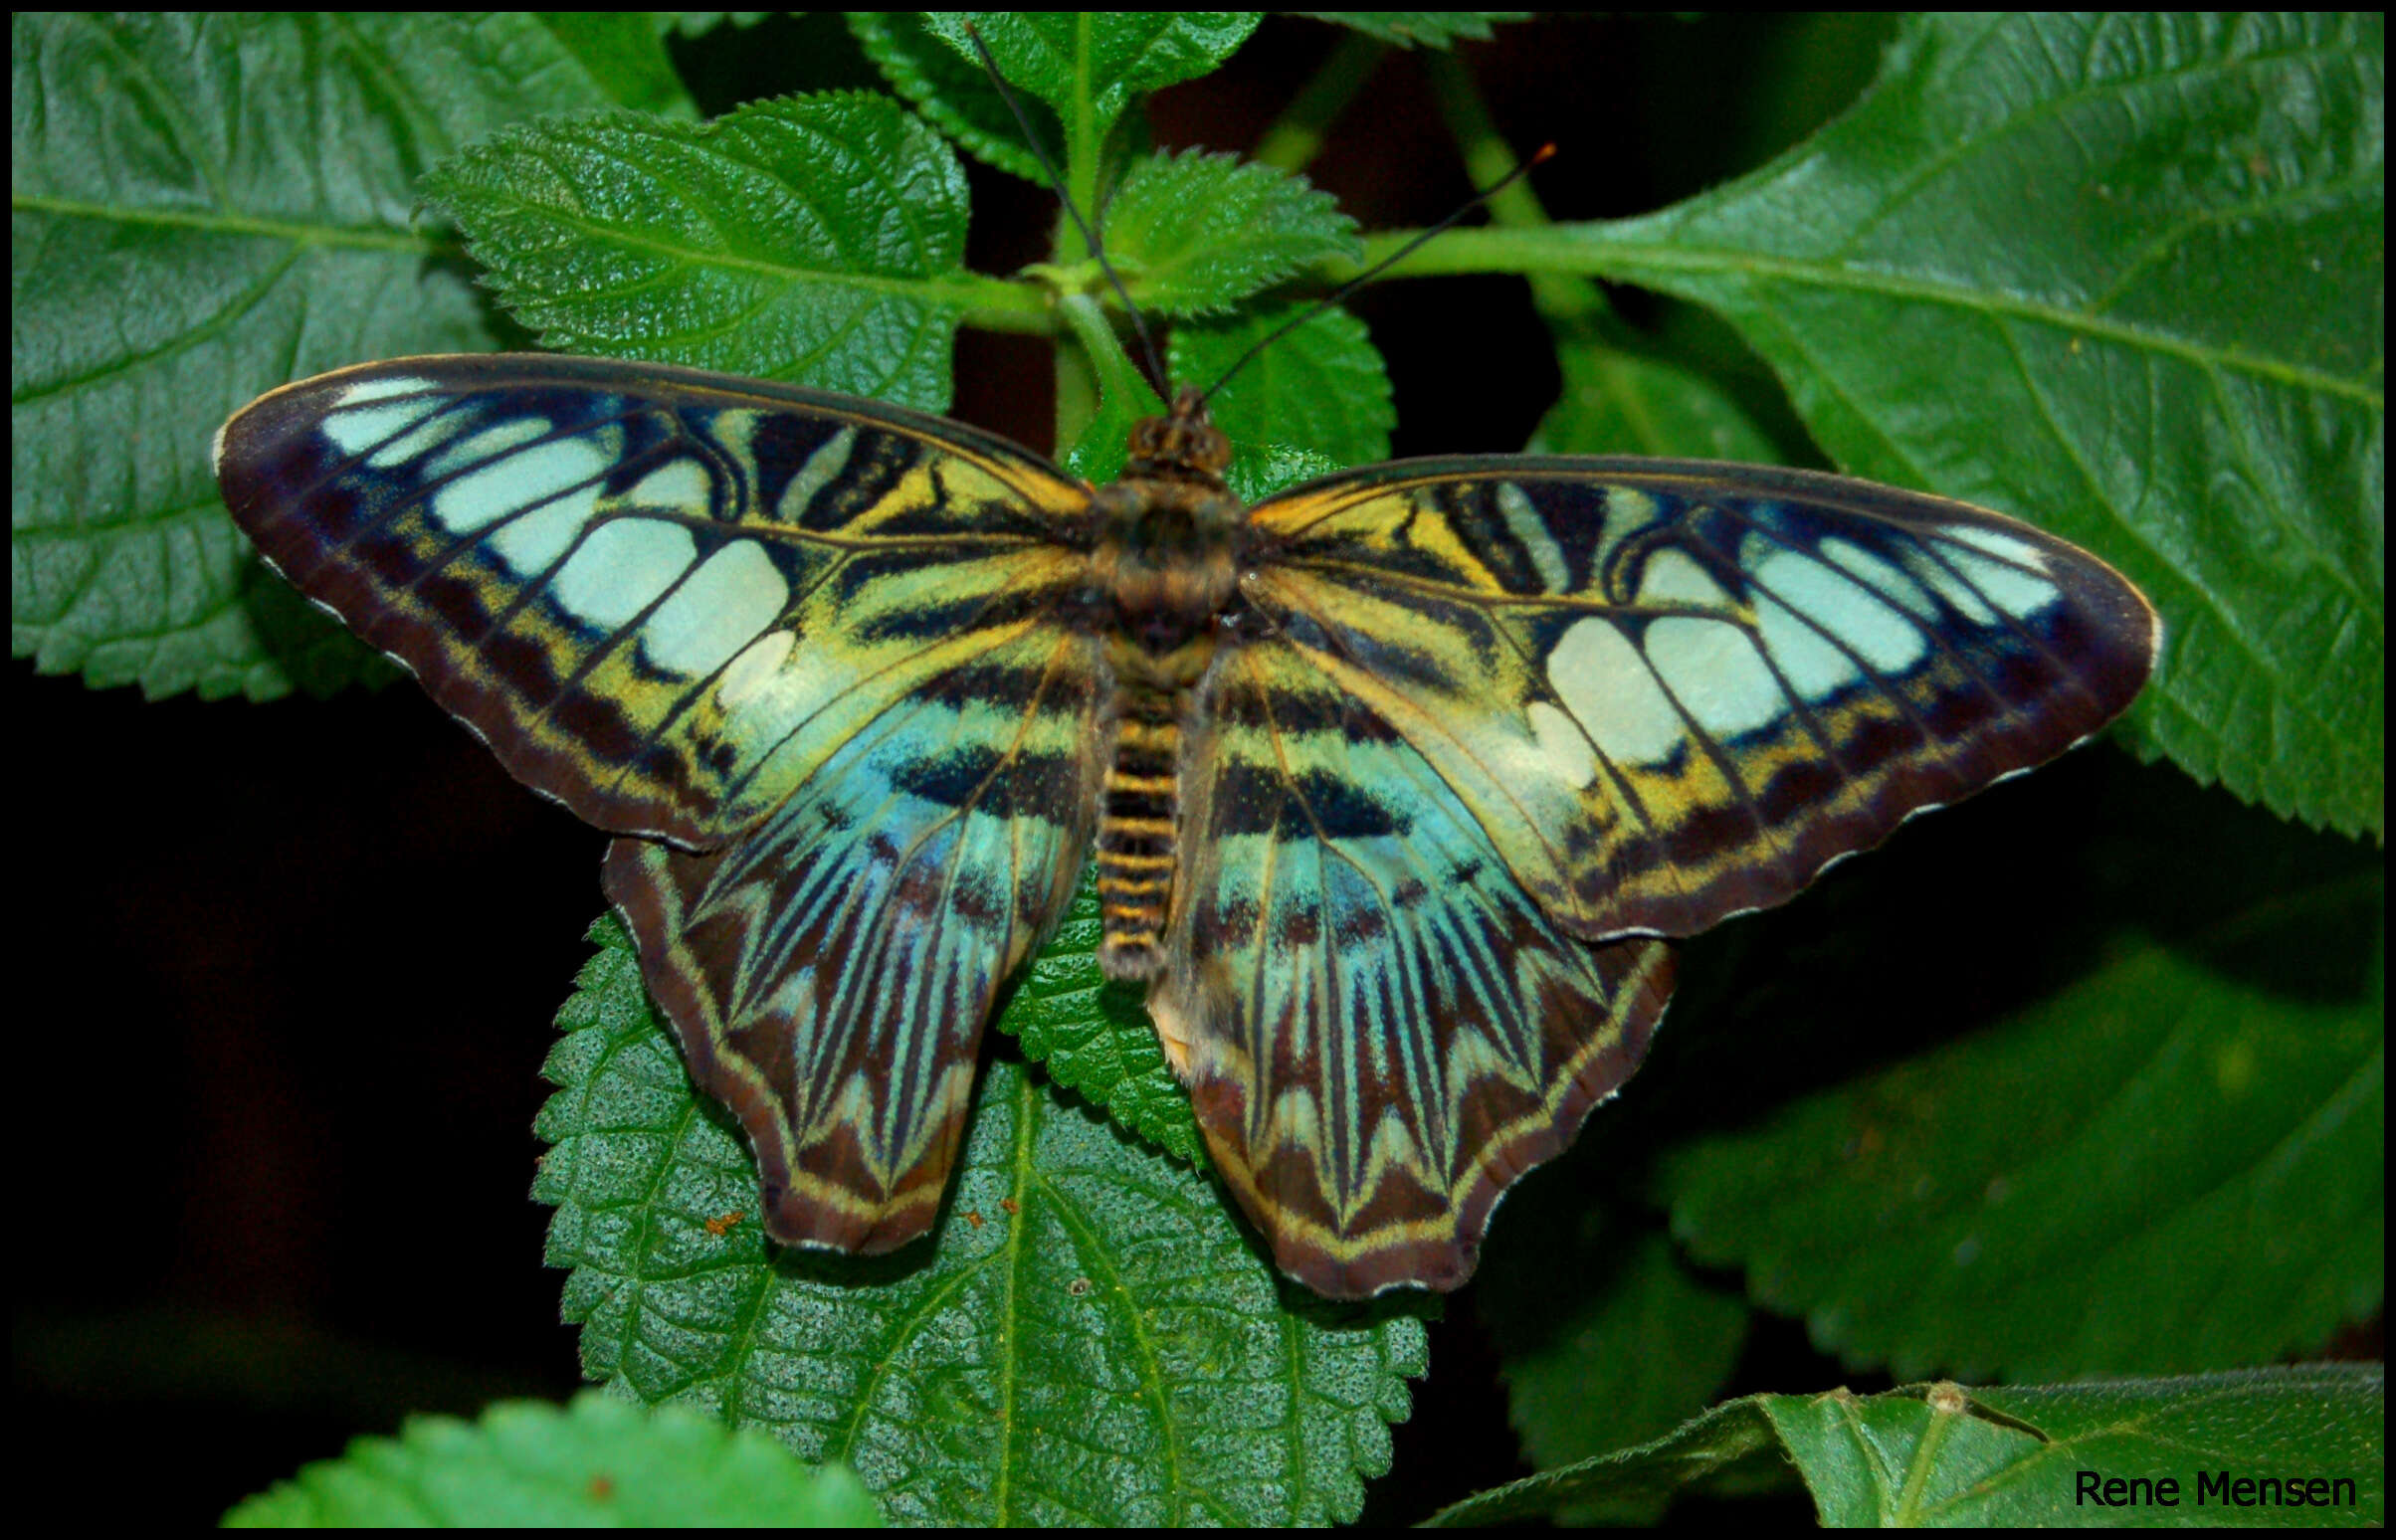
[(1165, 564)]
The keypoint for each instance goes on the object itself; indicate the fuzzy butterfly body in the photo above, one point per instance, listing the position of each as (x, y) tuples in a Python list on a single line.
[(1396, 780)]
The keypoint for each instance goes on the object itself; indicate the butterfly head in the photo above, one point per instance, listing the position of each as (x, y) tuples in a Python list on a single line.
[(1184, 445)]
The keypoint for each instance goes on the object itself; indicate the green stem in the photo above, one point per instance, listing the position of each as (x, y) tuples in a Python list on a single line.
[(1086, 319), (1487, 249), (1001, 305), (1295, 140), (1570, 306), (1081, 134), (1077, 389), (1102, 363)]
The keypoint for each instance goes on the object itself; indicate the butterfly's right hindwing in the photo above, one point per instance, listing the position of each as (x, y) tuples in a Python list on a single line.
[(831, 970)]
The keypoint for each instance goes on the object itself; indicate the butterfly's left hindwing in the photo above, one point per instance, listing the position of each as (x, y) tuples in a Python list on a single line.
[(1672, 693), (820, 647)]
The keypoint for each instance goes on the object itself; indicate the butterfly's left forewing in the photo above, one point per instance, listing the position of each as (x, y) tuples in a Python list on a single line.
[(1672, 693), (813, 653)]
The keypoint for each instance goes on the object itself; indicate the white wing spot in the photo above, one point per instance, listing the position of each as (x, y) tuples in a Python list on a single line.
[(1721, 678), (718, 610), (754, 668), (511, 482), (678, 484), (626, 563), (1880, 576), (1672, 577), (1629, 510), (383, 389), (529, 542), (356, 430), (767, 700), (1529, 530), (1605, 684), (1888, 640), (492, 442), (1563, 750), (821, 469), (1978, 582), (1999, 544), (425, 438), (1812, 664)]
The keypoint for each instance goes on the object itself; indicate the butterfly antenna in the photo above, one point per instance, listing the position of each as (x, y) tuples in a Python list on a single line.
[(1546, 151), (1139, 323)]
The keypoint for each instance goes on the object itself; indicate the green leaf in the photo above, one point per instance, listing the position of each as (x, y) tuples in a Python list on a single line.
[(1095, 1038), (624, 53), (1428, 29), (2121, 277), (817, 239), (1194, 234), (1090, 1337), (1617, 403), (1730, 1448), (1321, 389), (183, 238), (2008, 1458), (1272, 467), (1089, 65), (598, 1461), (953, 91), (2172, 1160), (1946, 1455), (1575, 1294)]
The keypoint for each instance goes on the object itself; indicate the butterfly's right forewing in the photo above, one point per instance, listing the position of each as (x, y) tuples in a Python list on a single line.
[(662, 597)]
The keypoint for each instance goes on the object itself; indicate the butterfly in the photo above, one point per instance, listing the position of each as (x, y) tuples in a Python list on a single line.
[(1399, 780)]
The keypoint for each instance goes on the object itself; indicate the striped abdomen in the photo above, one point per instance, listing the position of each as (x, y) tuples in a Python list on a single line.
[(1136, 836), (1165, 561)]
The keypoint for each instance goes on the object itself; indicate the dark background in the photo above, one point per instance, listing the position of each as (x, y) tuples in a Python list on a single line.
[(292, 966)]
